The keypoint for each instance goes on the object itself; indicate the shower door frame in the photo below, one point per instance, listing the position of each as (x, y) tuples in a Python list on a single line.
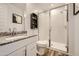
[(50, 25)]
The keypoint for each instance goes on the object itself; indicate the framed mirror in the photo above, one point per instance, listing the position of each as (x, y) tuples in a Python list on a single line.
[(75, 8), (16, 18)]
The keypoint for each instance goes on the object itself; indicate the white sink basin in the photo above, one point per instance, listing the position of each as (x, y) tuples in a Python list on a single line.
[(14, 38)]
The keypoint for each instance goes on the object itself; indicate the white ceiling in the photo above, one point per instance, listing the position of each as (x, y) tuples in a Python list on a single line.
[(19, 5), (38, 6), (44, 6)]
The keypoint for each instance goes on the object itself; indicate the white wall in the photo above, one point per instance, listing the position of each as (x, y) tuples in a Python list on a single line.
[(77, 33), (6, 11), (29, 9), (44, 26), (3, 18), (73, 32)]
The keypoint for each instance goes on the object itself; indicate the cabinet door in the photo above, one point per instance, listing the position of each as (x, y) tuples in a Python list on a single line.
[(31, 49), (18, 52)]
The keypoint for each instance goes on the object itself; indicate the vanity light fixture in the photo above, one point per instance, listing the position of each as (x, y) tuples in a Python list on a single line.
[(51, 5), (25, 15), (65, 7), (35, 11)]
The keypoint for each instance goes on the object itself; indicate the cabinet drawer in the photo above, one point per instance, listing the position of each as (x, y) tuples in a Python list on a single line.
[(31, 49), (18, 52), (9, 48)]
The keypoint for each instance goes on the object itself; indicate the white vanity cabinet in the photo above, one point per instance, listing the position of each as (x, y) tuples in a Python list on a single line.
[(31, 49), (18, 52), (25, 47)]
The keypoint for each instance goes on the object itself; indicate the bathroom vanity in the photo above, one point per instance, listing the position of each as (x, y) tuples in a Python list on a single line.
[(13, 24), (18, 46)]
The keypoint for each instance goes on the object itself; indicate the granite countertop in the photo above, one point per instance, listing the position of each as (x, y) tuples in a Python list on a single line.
[(10, 39)]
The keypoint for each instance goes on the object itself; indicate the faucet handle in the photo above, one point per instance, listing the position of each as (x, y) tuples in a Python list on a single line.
[(9, 29)]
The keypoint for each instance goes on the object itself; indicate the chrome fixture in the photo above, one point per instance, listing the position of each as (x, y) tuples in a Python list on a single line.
[(13, 32)]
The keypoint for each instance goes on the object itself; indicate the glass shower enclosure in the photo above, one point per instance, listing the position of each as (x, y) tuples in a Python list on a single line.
[(53, 28)]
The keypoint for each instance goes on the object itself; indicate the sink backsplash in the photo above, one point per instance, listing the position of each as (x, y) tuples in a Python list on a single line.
[(9, 33)]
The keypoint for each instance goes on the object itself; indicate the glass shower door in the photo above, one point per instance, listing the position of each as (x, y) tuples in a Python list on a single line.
[(59, 28)]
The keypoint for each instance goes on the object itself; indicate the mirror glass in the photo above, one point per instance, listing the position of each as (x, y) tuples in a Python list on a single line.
[(17, 19)]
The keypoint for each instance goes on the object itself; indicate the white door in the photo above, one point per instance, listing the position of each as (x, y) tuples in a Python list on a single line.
[(59, 25), (18, 52)]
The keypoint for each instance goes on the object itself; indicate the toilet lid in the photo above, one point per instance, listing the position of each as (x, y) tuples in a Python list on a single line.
[(54, 45), (42, 43)]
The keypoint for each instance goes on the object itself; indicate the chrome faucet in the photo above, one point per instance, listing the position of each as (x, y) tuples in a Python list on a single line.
[(14, 32)]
